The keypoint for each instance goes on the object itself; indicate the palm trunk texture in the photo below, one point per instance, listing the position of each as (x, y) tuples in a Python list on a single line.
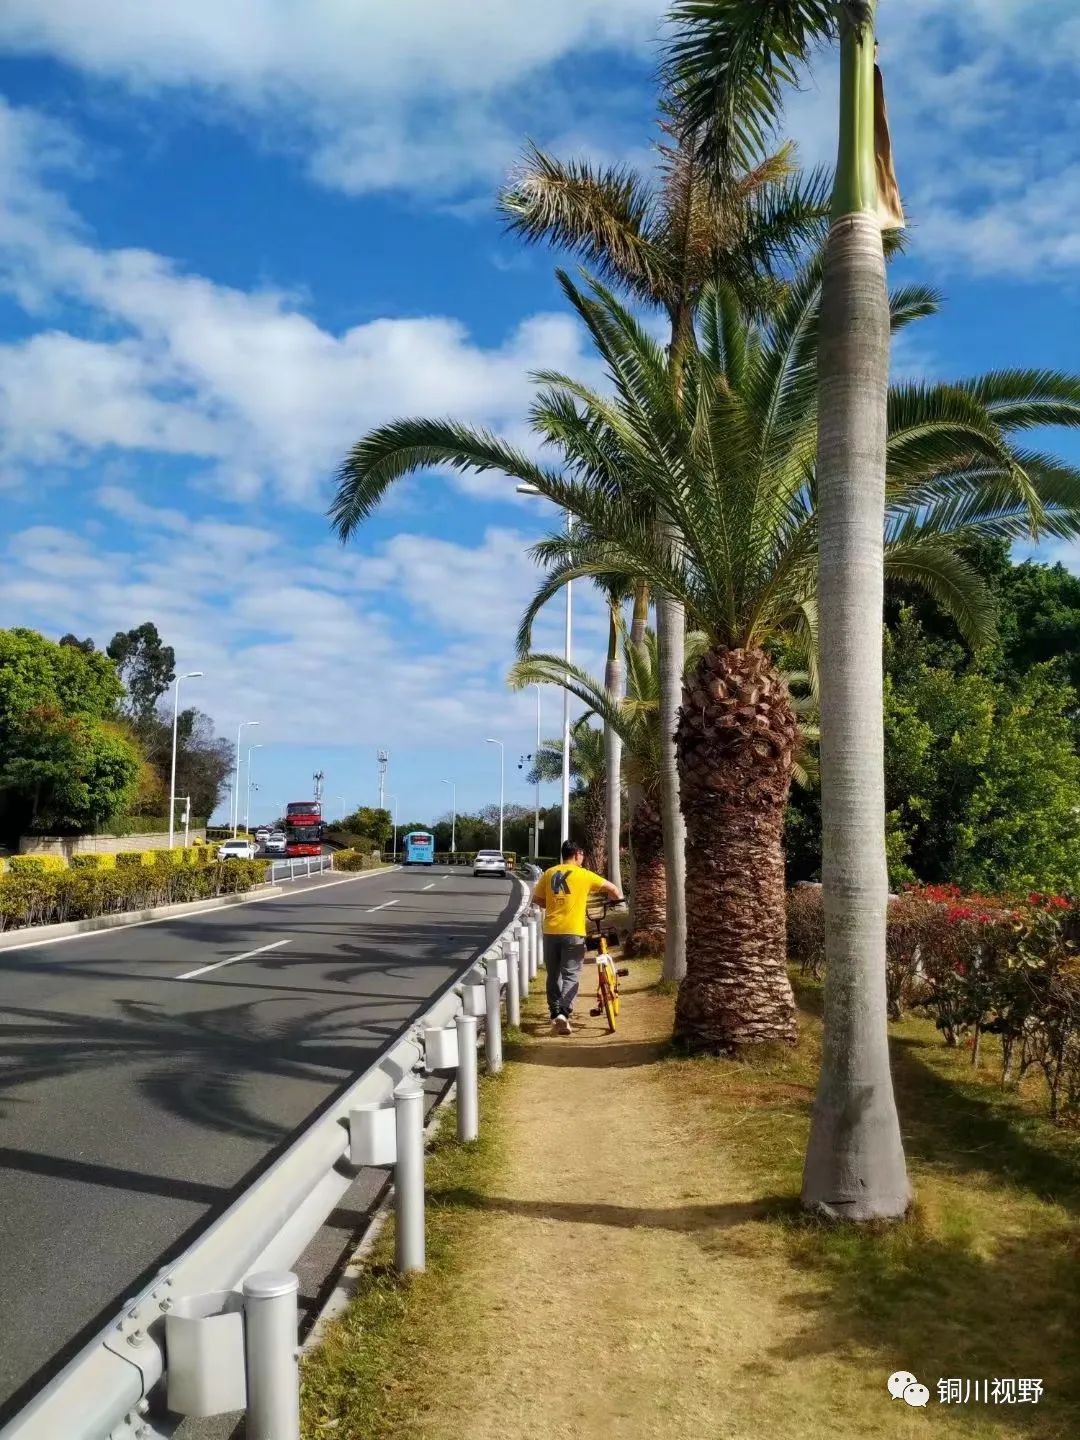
[(855, 1166), (649, 911), (595, 827), (736, 738)]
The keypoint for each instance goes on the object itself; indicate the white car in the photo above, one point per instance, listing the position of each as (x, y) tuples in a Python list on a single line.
[(490, 862), (262, 834), (237, 850), (274, 844)]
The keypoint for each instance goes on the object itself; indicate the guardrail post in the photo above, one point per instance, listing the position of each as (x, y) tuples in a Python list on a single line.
[(533, 924), (493, 1019), (520, 949), (409, 1253), (513, 985), (273, 1378), (468, 1095)]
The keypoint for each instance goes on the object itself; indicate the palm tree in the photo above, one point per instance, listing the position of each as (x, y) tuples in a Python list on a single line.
[(588, 766), (636, 719), (733, 58), (663, 245), (732, 462)]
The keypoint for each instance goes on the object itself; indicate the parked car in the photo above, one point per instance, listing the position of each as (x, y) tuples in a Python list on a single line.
[(490, 862), (274, 844), (237, 850)]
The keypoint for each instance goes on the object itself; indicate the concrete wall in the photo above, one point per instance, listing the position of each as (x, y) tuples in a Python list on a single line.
[(100, 844)]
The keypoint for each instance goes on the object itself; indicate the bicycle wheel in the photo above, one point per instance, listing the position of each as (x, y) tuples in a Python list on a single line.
[(607, 1000)]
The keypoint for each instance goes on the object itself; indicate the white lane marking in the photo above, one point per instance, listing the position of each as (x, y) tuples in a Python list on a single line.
[(204, 969), (385, 906), (287, 895), (429, 886)]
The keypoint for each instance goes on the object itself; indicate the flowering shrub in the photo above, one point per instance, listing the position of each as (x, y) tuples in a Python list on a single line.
[(978, 964)]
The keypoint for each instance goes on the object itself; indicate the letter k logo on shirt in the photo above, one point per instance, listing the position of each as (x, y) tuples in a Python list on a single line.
[(560, 882)]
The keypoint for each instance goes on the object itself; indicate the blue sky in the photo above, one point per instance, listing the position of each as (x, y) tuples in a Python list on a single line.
[(233, 238)]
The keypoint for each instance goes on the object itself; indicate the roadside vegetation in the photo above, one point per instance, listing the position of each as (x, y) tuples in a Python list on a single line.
[(623, 1254)]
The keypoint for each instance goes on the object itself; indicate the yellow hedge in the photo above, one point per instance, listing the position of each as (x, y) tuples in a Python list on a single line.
[(28, 864)]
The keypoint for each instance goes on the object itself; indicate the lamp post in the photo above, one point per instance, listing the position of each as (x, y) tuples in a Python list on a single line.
[(236, 783), (341, 799), (247, 788), (502, 784), (564, 820), (393, 801), (453, 816), (189, 675), (187, 820), (536, 797)]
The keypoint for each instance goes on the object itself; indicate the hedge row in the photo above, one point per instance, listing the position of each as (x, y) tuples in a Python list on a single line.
[(47, 897), (978, 965), (197, 854)]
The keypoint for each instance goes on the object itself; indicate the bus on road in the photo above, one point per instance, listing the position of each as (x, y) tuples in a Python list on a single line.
[(303, 828), (418, 848)]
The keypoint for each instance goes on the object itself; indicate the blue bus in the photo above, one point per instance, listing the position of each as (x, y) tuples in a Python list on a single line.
[(418, 848)]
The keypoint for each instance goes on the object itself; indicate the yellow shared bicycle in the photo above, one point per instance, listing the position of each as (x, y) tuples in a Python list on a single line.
[(607, 974)]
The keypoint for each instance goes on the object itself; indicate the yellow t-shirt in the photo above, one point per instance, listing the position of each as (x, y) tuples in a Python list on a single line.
[(565, 891)]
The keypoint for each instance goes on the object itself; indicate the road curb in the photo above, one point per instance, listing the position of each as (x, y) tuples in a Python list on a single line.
[(28, 936)]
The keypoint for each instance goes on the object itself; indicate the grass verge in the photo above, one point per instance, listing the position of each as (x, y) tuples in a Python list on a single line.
[(623, 1255)]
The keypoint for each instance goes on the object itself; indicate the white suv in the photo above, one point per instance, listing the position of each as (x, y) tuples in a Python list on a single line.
[(490, 862), (237, 850)]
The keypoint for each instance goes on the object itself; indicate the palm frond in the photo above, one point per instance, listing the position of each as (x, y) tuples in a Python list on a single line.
[(949, 580), (602, 215), (728, 63)]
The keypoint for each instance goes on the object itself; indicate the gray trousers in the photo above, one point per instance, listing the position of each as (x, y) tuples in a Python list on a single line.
[(563, 959)]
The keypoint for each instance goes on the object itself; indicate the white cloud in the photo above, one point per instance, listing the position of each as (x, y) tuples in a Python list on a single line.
[(336, 648), (241, 380), (415, 94)]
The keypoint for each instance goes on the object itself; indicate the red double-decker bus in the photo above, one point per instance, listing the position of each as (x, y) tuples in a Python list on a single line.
[(303, 827)]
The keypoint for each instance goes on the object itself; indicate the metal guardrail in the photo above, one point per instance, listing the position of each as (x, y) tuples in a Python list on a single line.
[(290, 869), (224, 1307)]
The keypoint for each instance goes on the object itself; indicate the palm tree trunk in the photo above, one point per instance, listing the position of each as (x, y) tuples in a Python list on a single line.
[(671, 643), (855, 1159), (736, 738), (593, 824), (613, 684), (649, 888), (639, 621)]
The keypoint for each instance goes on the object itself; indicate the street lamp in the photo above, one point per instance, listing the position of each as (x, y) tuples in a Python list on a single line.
[(453, 816), (247, 789), (341, 798), (536, 797), (236, 783), (188, 675), (564, 819), (502, 783)]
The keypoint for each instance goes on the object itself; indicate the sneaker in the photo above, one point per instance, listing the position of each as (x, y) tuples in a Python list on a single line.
[(554, 1022), (562, 1025)]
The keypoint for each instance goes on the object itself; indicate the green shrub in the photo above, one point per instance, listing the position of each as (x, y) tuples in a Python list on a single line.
[(86, 862), (354, 860), (129, 859)]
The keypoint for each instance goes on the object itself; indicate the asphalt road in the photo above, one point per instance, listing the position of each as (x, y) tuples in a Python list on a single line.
[(144, 1083)]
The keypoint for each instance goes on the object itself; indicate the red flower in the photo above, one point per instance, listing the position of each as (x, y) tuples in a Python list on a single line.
[(1057, 902), (956, 913)]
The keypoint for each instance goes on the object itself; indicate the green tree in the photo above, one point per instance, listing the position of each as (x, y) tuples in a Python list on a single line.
[(588, 771), (63, 762), (376, 824), (146, 666)]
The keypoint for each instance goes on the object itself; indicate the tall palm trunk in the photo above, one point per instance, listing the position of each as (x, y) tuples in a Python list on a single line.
[(594, 827), (736, 739), (649, 879), (671, 643), (613, 684), (639, 621), (855, 1160)]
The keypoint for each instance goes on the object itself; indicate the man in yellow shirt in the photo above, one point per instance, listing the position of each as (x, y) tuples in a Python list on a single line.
[(563, 894)]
